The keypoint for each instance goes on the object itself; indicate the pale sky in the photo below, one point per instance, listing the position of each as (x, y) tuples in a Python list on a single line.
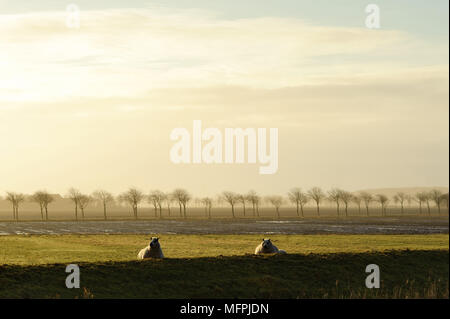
[(93, 107)]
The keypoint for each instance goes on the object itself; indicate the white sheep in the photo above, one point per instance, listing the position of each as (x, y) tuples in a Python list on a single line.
[(153, 250), (266, 247)]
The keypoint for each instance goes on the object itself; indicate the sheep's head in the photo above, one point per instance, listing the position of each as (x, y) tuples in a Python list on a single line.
[(154, 242), (267, 243)]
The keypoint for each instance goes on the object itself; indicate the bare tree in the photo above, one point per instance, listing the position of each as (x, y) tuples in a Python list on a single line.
[(133, 197), (445, 198), (367, 199), (43, 198), (254, 199), (346, 198), (436, 196), (317, 195), (230, 198), (242, 199), (276, 201), (421, 198), (383, 200), (183, 197), (401, 197), (74, 195), (168, 200), (157, 198), (207, 202), (15, 199), (334, 195), (47, 199), (104, 198), (299, 198), (83, 202), (427, 197), (357, 200), (37, 198)]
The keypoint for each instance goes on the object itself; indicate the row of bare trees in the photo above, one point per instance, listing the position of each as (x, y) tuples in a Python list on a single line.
[(134, 197)]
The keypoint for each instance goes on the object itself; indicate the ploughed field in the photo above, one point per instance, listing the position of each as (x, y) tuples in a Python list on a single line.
[(324, 225), (222, 266)]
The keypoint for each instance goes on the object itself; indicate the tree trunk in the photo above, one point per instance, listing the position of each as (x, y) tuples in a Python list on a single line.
[(104, 210), (301, 208), (184, 210), (297, 211), (181, 214), (46, 212), (243, 205), (318, 210), (232, 210)]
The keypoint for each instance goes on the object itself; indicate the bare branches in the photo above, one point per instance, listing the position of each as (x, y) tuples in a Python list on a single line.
[(317, 195), (15, 199), (401, 197), (183, 197), (276, 201), (132, 197), (231, 198), (157, 198), (43, 198), (367, 199), (299, 198), (254, 199), (104, 198), (383, 200)]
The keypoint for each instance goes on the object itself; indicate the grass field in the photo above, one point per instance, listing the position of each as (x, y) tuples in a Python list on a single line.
[(221, 266)]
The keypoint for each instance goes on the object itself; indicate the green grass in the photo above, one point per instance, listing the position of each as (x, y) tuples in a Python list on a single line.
[(44, 249), (221, 266)]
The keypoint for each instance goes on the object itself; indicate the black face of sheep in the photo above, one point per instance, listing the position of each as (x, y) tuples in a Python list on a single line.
[(155, 242), (267, 243)]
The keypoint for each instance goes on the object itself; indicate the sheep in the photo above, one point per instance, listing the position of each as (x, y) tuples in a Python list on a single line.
[(266, 247), (153, 250)]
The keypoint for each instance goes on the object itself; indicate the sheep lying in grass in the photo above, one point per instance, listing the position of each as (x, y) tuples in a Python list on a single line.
[(153, 250), (266, 247)]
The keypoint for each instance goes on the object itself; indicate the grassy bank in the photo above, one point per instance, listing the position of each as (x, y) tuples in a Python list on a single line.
[(221, 266), (404, 274)]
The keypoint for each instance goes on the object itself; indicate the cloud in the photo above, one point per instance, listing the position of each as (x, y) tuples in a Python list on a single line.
[(124, 52)]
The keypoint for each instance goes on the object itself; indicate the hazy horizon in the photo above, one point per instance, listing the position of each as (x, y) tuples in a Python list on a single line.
[(93, 107)]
